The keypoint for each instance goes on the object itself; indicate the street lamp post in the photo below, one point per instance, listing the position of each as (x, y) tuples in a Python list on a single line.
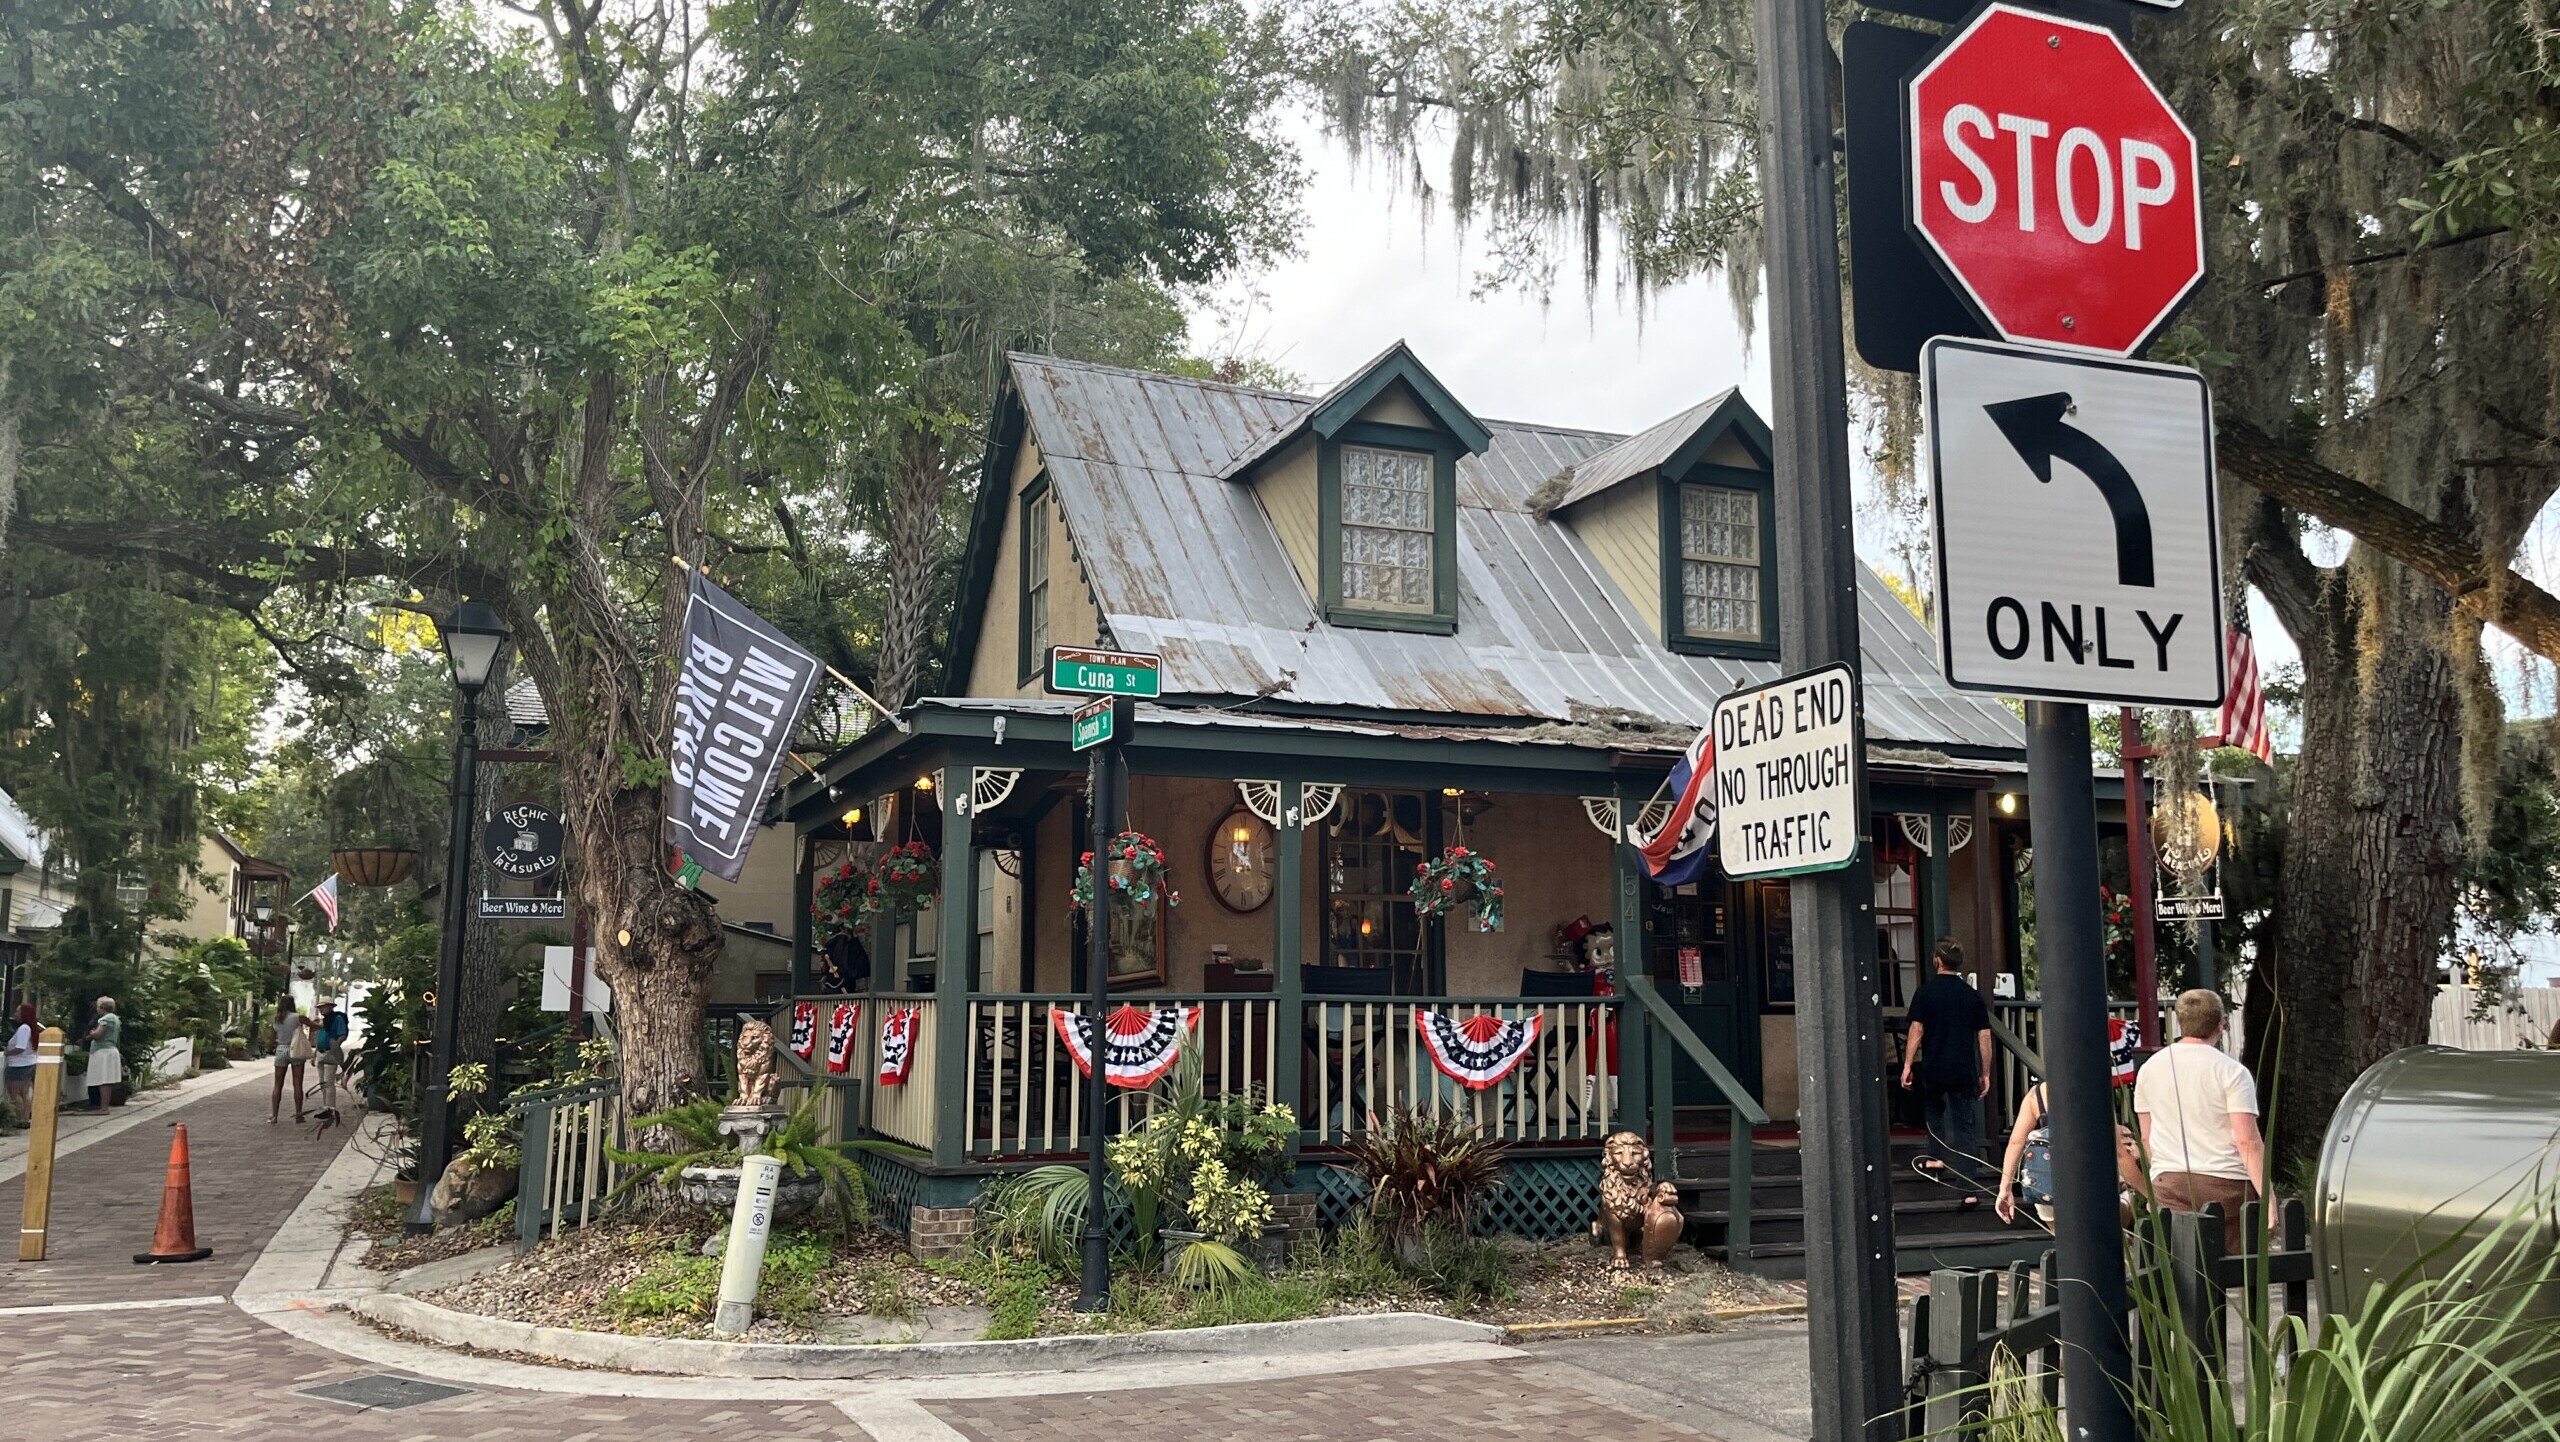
[(473, 637)]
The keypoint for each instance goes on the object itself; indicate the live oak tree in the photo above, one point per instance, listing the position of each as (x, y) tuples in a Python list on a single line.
[(524, 303), (2383, 229)]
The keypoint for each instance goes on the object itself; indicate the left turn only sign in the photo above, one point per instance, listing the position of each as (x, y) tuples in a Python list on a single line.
[(1788, 775), (2077, 551)]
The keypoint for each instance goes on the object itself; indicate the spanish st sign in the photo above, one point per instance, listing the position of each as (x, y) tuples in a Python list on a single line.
[(2077, 550), (2052, 180), (1788, 793), (1085, 671)]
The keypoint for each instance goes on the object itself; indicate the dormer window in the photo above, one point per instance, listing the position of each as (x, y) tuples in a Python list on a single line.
[(1034, 639), (1387, 529), (1720, 585)]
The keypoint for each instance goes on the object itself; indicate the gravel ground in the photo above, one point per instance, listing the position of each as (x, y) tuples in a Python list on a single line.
[(871, 1290), (376, 1216)]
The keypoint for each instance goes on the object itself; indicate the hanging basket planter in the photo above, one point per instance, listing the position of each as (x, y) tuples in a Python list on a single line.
[(373, 865), (900, 880), (1137, 872), (1460, 877)]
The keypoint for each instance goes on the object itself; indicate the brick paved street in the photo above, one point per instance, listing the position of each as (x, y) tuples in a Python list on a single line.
[(176, 1370)]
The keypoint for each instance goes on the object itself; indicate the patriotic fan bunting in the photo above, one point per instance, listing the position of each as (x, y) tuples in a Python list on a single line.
[(1142, 1044), (804, 1029), (2124, 1045), (897, 1046), (1477, 1051), (840, 1037)]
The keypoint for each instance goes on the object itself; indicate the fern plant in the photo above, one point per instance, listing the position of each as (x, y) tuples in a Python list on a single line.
[(696, 1125)]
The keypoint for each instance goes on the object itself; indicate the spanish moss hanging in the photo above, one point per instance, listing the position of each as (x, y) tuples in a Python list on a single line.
[(1142, 1044), (897, 1046), (804, 1029), (1477, 1051), (840, 1037)]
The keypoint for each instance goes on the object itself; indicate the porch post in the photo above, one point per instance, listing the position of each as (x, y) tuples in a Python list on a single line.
[(1288, 1020), (956, 916), (1942, 909), (1635, 1079), (803, 885), (1989, 956)]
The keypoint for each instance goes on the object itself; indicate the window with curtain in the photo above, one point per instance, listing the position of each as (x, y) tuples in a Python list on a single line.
[(1720, 564), (1387, 529)]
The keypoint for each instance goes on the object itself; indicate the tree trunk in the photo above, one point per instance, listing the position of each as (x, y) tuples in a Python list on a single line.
[(2370, 855), (915, 515), (656, 941)]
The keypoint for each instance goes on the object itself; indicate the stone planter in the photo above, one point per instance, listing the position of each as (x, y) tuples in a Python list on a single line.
[(1270, 1251), (715, 1189)]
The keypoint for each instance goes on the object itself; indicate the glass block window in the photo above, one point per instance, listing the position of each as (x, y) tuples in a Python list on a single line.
[(1720, 563), (1386, 528)]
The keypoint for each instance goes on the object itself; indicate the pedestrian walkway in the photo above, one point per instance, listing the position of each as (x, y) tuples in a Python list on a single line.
[(77, 1127), (96, 1348)]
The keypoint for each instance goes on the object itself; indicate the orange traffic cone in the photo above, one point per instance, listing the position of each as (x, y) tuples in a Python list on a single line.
[(175, 1239)]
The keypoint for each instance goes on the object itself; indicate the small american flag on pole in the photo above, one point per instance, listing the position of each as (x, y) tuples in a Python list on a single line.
[(326, 893), (2243, 722)]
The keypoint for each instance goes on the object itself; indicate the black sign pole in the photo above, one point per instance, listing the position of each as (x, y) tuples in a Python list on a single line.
[(2088, 1233), (435, 1142), (1106, 793), (1848, 1204)]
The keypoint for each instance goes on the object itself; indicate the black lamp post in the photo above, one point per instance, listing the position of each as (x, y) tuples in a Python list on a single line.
[(473, 637)]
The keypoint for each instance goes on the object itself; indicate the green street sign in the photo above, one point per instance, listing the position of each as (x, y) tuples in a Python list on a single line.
[(1084, 671), (1095, 724)]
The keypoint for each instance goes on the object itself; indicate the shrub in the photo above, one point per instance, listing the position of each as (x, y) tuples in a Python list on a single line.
[(1423, 1169)]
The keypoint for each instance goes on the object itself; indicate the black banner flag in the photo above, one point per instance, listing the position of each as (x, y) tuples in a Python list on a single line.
[(739, 693)]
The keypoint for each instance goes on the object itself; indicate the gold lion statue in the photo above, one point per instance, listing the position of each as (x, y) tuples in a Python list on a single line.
[(1626, 1184), (758, 1081)]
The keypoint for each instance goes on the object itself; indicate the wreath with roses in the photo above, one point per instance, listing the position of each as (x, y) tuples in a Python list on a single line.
[(1459, 878)]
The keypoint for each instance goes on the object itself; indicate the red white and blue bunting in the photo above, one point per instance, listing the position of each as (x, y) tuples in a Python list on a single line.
[(2124, 1049), (897, 1046), (1477, 1051), (1142, 1045), (840, 1037), (804, 1029)]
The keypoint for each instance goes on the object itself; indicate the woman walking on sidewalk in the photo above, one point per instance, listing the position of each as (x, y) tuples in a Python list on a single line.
[(22, 1063), (293, 1053), (106, 1064)]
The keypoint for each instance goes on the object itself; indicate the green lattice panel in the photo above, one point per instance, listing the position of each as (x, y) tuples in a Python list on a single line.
[(897, 1188), (1543, 1198), (1340, 1196)]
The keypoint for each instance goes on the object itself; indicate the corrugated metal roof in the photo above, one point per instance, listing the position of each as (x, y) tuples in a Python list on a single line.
[(1186, 565), (1638, 453)]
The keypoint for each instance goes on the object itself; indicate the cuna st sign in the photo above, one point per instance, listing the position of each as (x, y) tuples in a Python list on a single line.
[(2052, 180)]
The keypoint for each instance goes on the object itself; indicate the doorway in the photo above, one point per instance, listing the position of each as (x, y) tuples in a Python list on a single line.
[(1691, 953)]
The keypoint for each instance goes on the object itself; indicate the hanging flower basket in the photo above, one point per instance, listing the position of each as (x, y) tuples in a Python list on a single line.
[(835, 904), (900, 880), (1137, 872), (1459, 878)]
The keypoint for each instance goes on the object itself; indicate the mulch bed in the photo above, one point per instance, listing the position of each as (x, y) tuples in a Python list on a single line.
[(376, 1216)]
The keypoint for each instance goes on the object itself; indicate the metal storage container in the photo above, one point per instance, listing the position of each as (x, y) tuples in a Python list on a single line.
[(2429, 1151)]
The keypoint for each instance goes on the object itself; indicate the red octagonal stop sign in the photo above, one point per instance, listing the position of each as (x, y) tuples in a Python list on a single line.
[(2055, 182)]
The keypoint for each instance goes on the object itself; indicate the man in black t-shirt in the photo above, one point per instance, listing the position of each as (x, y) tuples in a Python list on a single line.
[(1946, 1058)]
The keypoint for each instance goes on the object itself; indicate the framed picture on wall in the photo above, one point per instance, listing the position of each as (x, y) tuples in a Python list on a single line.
[(1137, 941)]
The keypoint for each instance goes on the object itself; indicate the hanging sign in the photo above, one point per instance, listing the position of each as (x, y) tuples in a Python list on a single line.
[(739, 694), (523, 908), (2189, 908), (522, 842), (1789, 781)]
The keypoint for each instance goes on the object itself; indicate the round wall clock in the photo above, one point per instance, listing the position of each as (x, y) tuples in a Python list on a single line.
[(1241, 861)]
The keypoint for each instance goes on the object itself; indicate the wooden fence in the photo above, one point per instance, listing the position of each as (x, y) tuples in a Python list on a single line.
[(564, 1176)]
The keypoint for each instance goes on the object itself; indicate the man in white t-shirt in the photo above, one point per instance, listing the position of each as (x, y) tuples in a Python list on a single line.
[(2199, 1112)]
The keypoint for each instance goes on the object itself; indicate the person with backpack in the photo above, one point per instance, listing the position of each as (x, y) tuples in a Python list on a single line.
[(2026, 1172), (293, 1053)]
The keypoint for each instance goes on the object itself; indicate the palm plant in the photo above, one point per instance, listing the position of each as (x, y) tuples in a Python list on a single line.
[(1424, 1169), (696, 1126)]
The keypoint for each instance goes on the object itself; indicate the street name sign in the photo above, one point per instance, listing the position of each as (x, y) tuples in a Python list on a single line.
[(1084, 671), (1787, 775), (2051, 178), (1097, 723), (2077, 551)]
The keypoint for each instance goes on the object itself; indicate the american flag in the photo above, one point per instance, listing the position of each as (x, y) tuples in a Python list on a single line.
[(2243, 722), (326, 893)]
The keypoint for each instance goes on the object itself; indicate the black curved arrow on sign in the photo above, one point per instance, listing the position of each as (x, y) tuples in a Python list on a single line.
[(2035, 426)]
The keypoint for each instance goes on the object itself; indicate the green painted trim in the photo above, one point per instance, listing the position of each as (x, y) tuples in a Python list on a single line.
[(956, 919), (1735, 416), (1288, 942), (803, 940), (1940, 920), (1028, 661), (1674, 608), (1442, 618), (1400, 364), (1626, 921), (986, 528)]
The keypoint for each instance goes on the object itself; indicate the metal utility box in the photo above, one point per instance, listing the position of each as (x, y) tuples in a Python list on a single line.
[(2429, 1151)]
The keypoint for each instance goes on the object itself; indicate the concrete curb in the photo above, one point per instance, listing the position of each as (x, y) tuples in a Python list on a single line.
[(679, 1356), (1519, 1333)]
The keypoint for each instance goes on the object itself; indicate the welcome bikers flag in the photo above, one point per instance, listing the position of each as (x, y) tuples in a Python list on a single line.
[(1676, 854), (739, 693)]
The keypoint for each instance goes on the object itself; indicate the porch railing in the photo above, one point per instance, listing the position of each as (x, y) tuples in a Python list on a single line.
[(1025, 1096), (1366, 1055), (565, 1175), (2017, 1030)]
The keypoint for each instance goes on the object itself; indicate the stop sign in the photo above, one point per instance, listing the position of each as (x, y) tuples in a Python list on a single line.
[(2055, 182)]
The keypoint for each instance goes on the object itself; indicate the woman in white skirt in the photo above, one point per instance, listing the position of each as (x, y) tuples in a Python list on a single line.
[(106, 1064)]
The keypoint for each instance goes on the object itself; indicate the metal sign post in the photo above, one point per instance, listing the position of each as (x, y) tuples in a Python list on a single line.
[(1848, 1204), (1107, 788)]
